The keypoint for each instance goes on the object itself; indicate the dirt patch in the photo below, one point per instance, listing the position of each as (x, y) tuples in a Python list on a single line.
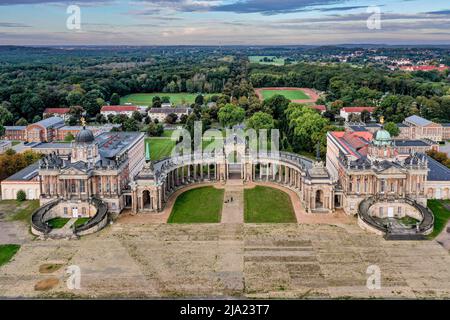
[(47, 284), (49, 267)]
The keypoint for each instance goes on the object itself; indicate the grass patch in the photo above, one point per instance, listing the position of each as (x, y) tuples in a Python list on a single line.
[(160, 148), (267, 205), (22, 211), (441, 215), (267, 60), (7, 251), (289, 94), (57, 223), (202, 205), (146, 99), (81, 221), (15, 143)]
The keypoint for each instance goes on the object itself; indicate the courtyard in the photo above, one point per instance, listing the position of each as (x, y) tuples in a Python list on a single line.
[(228, 260)]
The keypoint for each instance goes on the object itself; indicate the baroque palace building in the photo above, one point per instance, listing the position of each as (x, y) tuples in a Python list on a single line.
[(365, 175)]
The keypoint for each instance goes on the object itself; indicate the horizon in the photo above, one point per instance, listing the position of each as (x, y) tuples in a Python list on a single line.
[(223, 22)]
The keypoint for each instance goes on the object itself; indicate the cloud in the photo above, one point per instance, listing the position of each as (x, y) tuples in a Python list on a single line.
[(13, 25), (17, 2), (439, 12)]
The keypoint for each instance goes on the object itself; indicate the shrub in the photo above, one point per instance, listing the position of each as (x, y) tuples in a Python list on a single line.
[(21, 195)]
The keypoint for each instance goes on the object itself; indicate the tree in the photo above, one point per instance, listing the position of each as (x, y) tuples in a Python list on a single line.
[(72, 121), (115, 99), (392, 128), (22, 122), (100, 118), (76, 111), (230, 115), (261, 120), (200, 100), (74, 98), (2, 130), (21, 196), (137, 116), (92, 102), (6, 117), (365, 116), (36, 118), (69, 137), (130, 125), (171, 118), (155, 130), (277, 104)]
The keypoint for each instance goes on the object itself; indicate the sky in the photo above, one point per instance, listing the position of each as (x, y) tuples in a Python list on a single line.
[(224, 22)]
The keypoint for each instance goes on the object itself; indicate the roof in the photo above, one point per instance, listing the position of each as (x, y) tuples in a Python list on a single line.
[(169, 110), (423, 68), (358, 128), (437, 171), (57, 110), (411, 143), (53, 145), (357, 109), (418, 121), (321, 108), (112, 143), (355, 143), (52, 122), (25, 174), (15, 127), (119, 108)]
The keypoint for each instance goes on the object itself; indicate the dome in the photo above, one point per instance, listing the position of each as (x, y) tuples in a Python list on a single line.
[(382, 138), (85, 136)]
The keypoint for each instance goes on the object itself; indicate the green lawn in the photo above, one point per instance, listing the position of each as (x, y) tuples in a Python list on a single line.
[(15, 142), (7, 251), (260, 59), (441, 215), (202, 205), (160, 148), (57, 223), (289, 94), (21, 211), (146, 98), (267, 205), (81, 221)]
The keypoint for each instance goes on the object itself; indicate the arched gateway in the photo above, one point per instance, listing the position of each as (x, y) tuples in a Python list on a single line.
[(158, 181)]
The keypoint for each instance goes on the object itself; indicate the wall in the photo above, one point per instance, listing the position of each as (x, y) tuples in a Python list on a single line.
[(10, 189)]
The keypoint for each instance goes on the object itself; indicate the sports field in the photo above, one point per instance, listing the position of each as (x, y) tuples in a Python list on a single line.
[(298, 95), (146, 99), (269, 60)]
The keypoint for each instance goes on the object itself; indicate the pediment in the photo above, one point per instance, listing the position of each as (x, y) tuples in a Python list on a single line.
[(391, 170), (72, 171)]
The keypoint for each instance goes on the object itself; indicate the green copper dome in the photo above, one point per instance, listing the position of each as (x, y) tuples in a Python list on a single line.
[(382, 138)]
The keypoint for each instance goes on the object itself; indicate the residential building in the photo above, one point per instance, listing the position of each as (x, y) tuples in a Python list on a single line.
[(162, 113)]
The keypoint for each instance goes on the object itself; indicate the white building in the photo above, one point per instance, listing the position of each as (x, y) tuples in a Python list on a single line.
[(162, 113), (347, 111), (115, 110)]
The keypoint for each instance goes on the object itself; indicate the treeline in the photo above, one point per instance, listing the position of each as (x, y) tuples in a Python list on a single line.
[(397, 95), (56, 79)]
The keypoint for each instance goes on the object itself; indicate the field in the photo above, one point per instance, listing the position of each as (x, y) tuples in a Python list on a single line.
[(268, 205), (441, 212), (275, 61), (202, 205), (7, 251), (160, 147), (145, 99), (298, 95)]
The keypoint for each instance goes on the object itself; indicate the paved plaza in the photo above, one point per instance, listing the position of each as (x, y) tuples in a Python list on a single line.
[(228, 260)]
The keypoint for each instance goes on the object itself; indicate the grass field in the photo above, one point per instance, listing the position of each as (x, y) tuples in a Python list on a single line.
[(21, 211), (7, 251), (441, 215), (80, 221), (202, 205), (260, 59), (145, 99), (267, 205), (289, 94), (57, 223), (160, 148)]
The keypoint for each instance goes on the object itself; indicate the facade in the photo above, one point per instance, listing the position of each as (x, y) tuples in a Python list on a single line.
[(100, 167), (162, 113), (57, 112), (116, 110), (26, 180), (416, 127), (347, 111)]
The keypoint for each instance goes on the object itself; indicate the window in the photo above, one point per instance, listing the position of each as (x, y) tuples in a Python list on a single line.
[(383, 186), (381, 212), (399, 210), (66, 211), (73, 187), (100, 185), (82, 186), (83, 210)]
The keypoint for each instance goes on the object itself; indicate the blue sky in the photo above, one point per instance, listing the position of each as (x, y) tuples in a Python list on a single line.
[(223, 22)]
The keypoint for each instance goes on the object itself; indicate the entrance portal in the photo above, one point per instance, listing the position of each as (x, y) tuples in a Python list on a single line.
[(146, 200), (319, 199)]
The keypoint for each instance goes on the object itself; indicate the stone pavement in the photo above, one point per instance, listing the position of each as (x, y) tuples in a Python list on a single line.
[(233, 207), (231, 260)]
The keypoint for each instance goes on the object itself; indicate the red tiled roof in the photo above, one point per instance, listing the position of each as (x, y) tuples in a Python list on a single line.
[(358, 109), (321, 108), (356, 143), (119, 108), (57, 110)]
